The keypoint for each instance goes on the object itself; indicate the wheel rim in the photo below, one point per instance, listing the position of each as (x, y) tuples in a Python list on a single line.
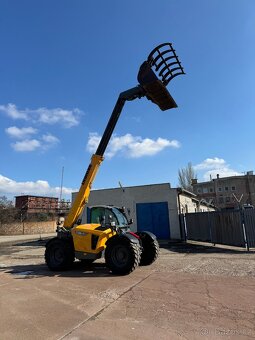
[(120, 255), (57, 255)]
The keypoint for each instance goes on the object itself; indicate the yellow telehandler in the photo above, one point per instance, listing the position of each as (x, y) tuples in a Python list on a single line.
[(108, 233)]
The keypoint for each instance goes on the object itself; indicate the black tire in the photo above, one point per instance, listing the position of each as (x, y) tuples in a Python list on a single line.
[(150, 247), (59, 254), (122, 255)]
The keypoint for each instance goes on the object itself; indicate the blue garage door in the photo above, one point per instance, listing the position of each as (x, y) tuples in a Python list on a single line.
[(153, 217)]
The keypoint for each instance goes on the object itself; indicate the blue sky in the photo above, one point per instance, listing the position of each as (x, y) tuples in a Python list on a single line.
[(63, 64)]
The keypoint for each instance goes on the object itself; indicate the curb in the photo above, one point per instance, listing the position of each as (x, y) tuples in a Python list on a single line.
[(9, 240)]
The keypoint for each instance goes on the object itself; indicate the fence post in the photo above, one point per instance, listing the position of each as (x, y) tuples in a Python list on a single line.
[(185, 227), (210, 227), (244, 230)]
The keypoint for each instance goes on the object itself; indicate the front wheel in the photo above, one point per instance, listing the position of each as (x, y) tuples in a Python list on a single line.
[(122, 256), (59, 254)]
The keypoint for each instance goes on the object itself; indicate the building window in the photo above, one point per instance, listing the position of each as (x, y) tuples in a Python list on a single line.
[(233, 188), (221, 200), (219, 189), (226, 188), (205, 190), (211, 189), (199, 190), (227, 199)]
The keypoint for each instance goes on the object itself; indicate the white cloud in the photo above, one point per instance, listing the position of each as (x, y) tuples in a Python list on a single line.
[(93, 142), (222, 172), (214, 166), (50, 139), (131, 146), (211, 163), (20, 133), (40, 187), (118, 144), (26, 145), (12, 111), (66, 118)]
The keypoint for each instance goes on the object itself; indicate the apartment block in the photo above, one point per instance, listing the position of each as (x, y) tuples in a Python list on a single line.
[(227, 192)]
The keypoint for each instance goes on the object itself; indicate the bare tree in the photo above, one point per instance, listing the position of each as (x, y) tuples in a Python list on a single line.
[(7, 211), (185, 176), (5, 203)]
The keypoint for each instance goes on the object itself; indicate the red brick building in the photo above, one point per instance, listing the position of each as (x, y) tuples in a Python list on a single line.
[(34, 204)]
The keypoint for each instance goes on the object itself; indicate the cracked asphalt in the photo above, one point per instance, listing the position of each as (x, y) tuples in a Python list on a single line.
[(191, 292)]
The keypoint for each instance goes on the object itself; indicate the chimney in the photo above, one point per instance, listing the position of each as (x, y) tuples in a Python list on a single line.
[(194, 181), (218, 176)]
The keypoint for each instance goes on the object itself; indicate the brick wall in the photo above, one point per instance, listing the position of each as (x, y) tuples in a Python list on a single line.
[(27, 228)]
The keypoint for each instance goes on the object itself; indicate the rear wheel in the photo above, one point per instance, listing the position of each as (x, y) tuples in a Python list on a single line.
[(59, 254), (150, 246), (122, 255)]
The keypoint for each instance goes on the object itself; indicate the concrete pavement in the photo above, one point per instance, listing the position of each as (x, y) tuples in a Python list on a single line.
[(186, 294)]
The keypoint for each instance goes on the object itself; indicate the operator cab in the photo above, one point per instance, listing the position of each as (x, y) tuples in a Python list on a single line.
[(108, 216)]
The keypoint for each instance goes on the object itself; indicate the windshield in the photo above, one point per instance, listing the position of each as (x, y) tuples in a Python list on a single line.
[(122, 221)]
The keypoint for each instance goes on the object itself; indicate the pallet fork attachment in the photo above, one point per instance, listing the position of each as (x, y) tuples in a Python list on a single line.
[(166, 64)]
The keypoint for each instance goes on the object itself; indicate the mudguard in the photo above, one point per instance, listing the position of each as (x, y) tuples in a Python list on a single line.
[(117, 238), (153, 237), (150, 248)]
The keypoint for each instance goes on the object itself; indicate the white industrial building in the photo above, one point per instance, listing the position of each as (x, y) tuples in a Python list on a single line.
[(154, 207)]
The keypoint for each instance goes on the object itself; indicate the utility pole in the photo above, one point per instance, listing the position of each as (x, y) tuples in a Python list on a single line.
[(61, 186)]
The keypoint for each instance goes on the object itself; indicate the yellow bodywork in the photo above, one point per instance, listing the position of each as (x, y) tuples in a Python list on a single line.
[(83, 194), (82, 235)]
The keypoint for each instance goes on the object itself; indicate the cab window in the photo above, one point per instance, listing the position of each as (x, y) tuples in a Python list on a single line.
[(110, 217), (97, 215), (122, 221)]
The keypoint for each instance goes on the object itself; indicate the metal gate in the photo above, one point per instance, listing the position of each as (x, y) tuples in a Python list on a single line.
[(198, 227), (153, 217), (234, 228), (249, 223)]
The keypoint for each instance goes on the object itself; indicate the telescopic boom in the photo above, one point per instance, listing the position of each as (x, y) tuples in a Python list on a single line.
[(165, 62)]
